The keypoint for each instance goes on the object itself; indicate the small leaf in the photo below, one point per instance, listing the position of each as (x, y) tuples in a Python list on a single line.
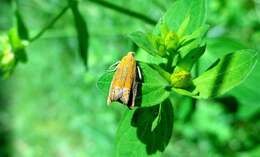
[(140, 140), (153, 87), (190, 42), (164, 30), (199, 33), (142, 40), (185, 92), (21, 26), (145, 57), (230, 71), (180, 10), (183, 26), (192, 57), (82, 31)]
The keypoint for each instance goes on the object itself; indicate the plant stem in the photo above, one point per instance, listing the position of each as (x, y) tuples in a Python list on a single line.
[(169, 66), (162, 72), (125, 11), (50, 24)]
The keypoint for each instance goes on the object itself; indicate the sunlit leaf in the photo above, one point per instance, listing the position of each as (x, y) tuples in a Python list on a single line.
[(247, 92), (230, 71), (216, 48), (192, 57)]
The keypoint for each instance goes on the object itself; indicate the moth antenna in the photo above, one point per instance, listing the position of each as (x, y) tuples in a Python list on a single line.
[(114, 66)]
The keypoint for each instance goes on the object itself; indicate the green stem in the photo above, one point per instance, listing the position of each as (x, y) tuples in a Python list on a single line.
[(125, 11), (50, 24), (162, 72), (169, 63)]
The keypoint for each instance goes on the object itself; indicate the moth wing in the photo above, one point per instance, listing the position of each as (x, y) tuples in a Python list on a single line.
[(110, 94), (134, 92), (116, 90), (125, 95)]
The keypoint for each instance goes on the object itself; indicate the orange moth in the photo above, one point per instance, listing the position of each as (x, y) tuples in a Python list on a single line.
[(123, 86)]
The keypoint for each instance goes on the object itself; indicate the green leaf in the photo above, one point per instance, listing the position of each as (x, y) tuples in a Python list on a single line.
[(18, 45), (185, 92), (193, 41), (192, 57), (247, 92), (152, 91), (82, 31), (218, 47), (199, 33), (143, 41), (154, 87), (139, 139), (145, 57), (177, 15), (230, 71), (183, 26), (21, 26)]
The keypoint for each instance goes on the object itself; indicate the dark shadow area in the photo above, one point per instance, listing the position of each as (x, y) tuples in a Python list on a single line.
[(5, 136), (213, 64), (230, 103), (192, 109), (140, 81), (256, 116), (154, 129), (220, 78)]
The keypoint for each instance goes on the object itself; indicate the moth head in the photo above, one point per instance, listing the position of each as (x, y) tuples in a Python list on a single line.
[(131, 53)]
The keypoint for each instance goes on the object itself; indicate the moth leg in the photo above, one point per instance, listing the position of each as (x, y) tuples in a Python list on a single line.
[(139, 73), (134, 92), (114, 66)]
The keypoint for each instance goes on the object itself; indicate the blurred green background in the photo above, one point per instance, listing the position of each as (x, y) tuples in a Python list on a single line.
[(51, 106)]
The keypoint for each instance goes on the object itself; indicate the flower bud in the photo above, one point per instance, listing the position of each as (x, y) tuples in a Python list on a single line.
[(159, 46), (181, 79), (171, 41)]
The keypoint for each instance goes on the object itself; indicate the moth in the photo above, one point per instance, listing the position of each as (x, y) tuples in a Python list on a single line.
[(123, 87)]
